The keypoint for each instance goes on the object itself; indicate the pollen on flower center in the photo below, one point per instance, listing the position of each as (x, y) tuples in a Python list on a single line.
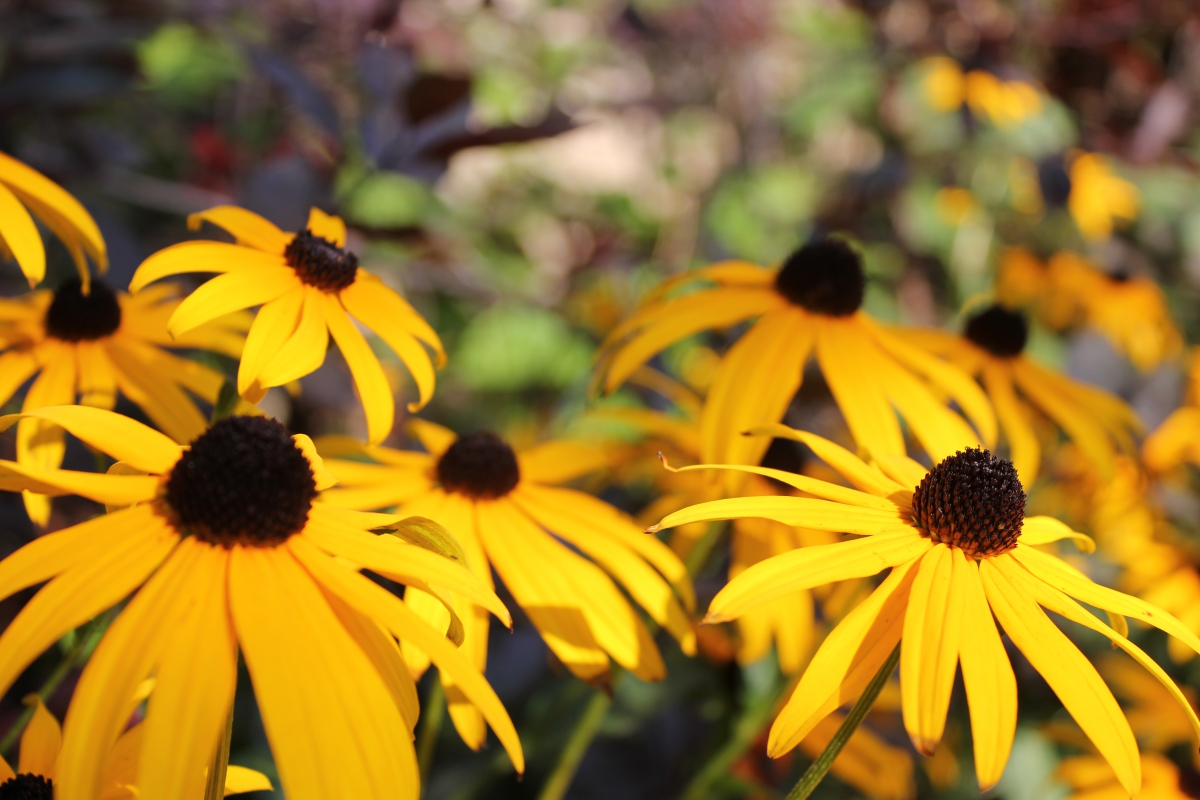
[(321, 263), (825, 277), (26, 786), (480, 465), (76, 317), (243, 481), (972, 500), (1001, 332)]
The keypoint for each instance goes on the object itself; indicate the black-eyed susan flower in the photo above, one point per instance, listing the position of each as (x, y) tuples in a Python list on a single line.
[(25, 194), (808, 307), (1091, 778), (960, 550), (560, 552), (992, 348), (37, 766), (222, 549), (1085, 184), (88, 348), (1005, 103), (309, 288)]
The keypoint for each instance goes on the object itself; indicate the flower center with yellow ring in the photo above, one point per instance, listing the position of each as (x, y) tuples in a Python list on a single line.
[(825, 277), (479, 465), (76, 317), (972, 500), (1001, 332), (321, 263), (243, 481), (25, 786)]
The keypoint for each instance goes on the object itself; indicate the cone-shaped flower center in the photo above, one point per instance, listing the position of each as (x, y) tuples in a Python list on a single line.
[(824, 277), (321, 263), (480, 465), (243, 481), (972, 500), (25, 786), (75, 317), (999, 331)]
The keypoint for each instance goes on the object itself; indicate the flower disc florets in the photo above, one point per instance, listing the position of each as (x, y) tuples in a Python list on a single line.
[(243, 481), (75, 317), (825, 277), (972, 500), (480, 465), (1001, 332), (25, 786), (321, 263)]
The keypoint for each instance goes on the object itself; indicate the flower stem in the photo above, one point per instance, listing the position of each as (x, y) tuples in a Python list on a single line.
[(572, 753), (86, 639), (433, 714), (227, 401), (215, 789), (817, 770)]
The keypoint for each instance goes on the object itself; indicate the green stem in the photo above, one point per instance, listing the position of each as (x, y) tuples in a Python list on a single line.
[(697, 557), (572, 753), (433, 717), (227, 401), (817, 770), (86, 639), (215, 788)]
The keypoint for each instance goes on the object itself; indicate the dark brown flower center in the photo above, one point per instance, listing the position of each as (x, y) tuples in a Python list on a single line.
[(25, 786), (825, 277), (1001, 332), (479, 465), (321, 263), (243, 481), (972, 500), (76, 317)]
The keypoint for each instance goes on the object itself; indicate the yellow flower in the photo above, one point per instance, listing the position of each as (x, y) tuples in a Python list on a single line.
[(37, 767), (506, 510), (1004, 103), (222, 549), (1090, 778), (87, 348), (310, 287), (992, 348), (23, 192), (808, 307), (1098, 196), (1177, 440), (960, 549)]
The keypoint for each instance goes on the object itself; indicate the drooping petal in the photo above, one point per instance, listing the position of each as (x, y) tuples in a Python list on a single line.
[(561, 460), (810, 486), (272, 326), (247, 227), (373, 298), (808, 567), (1089, 436), (219, 257), (1071, 676), (304, 351), (373, 389), (843, 352), (821, 515), (332, 725), (327, 226), (16, 367), (930, 646), (60, 211), (1023, 445), (119, 436), (1044, 530), (860, 474), (97, 383), (167, 405), (19, 235), (230, 292), (113, 490)]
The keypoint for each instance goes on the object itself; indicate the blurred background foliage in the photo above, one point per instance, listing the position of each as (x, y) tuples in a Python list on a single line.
[(526, 170)]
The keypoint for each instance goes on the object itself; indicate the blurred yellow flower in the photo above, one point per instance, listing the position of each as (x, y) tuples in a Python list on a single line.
[(88, 348), (991, 348), (510, 515), (223, 551), (1177, 440), (26, 193), (1098, 196), (1091, 778), (1003, 103), (960, 549), (309, 287)]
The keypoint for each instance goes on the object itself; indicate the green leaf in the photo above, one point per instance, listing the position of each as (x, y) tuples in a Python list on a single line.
[(429, 535), (388, 200)]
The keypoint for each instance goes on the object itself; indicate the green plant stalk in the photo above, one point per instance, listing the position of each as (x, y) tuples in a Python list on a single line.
[(433, 717), (697, 557), (215, 788), (85, 641), (227, 401), (572, 753), (818, 769)]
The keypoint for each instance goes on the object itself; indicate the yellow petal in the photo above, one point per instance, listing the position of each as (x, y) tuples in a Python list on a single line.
[(1088, 434), (433, 437), (272, 326), (809, 567), (97, 383), (40, 743), (929, 649), (61, 212), (861, 475), (333, 728), (16, 367), (239, 780), (230, 292), (369, 379), (119, 436), (1071, 676), (561, 460), (821, 515), (304, 351), (145, 379), (19, 235), (327, 226), (217, 257), (114, 490), (1044, 530), (1023, 445), (842, 351), (810, 486), (323, 477), (247, 227)]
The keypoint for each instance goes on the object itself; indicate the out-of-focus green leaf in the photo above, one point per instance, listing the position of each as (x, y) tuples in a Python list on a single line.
[(185, 64), (387, 200), (757, 216), (518, 347)]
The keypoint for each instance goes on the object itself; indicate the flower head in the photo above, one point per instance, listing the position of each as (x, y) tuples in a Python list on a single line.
[(309, 287), (222, 548), (960, 550)]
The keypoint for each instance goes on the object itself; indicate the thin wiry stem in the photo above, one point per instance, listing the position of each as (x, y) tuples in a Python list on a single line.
[(572, 754), (818, 769), (433, 716), (215, 788)]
